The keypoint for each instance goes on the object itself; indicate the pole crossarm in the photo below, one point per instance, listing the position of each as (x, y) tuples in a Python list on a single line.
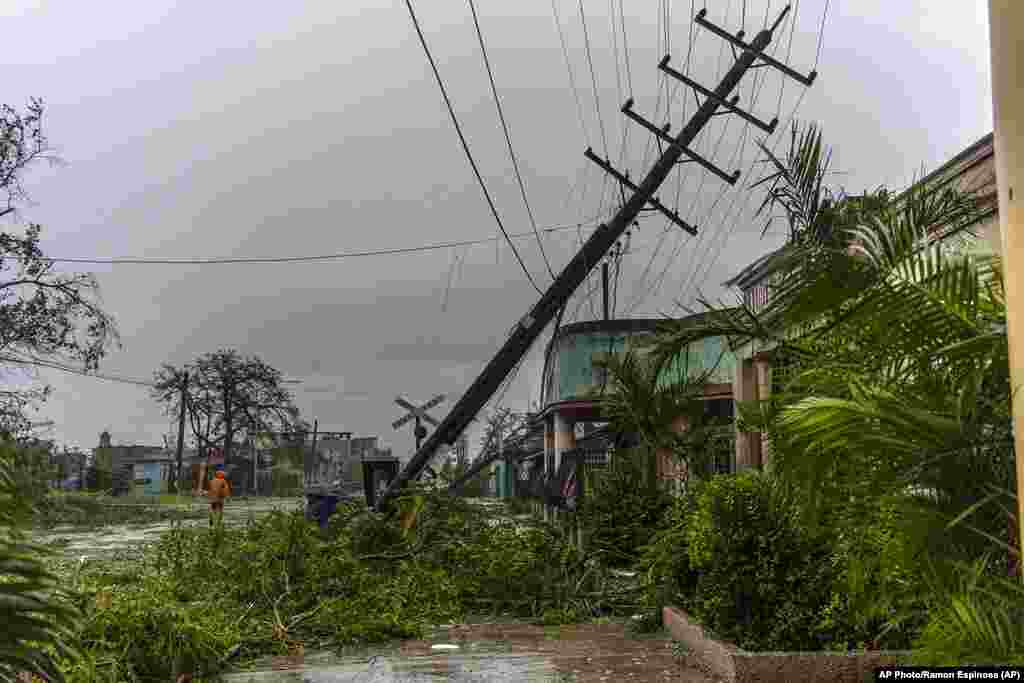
[(532, 325), (737, 41), (730, 104), (671, 215), (662, 133)]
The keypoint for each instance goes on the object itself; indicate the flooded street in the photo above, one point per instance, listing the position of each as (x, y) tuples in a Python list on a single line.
[(494, 652), (122, 540)]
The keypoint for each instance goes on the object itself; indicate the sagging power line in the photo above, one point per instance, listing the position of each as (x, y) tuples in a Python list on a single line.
[(465, 146), (314, 257), (535, 321)]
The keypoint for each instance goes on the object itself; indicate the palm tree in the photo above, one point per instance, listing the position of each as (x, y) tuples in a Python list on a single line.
[(645, 397), (895, 351), (37, 623)]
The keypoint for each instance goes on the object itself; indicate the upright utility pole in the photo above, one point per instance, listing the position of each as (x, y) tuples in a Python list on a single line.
[(316, 425), (594, 250), (1006, 25), (604, 288), (181, 429)]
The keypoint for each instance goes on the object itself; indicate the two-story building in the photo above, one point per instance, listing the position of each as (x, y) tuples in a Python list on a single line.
[(971, 171)]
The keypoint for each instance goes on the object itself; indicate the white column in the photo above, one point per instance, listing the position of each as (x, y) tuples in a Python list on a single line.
[(565, 437)]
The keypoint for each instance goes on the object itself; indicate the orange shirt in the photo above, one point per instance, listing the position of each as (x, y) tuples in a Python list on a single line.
[(220, 489)]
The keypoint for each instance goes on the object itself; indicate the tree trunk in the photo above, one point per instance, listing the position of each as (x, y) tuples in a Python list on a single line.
[(228, 432)]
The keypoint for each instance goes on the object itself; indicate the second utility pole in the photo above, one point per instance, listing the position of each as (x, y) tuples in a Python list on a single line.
[(181, 430)]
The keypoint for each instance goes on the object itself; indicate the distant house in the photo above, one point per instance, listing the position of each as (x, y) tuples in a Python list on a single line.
[(148, 469)]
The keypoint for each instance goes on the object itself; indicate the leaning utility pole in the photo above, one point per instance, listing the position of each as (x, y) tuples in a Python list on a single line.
[(604, 289), (181, 430), (1006, 21), (543, 312)]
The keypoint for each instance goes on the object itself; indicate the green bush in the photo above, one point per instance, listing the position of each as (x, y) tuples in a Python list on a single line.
[(667, 574), (880, 596), (623, 509), (763, 580)]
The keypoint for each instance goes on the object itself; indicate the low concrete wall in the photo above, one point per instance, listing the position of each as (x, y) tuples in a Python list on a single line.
[(733, 665)]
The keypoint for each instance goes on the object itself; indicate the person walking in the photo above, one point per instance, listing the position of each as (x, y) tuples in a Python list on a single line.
[(220, 489)]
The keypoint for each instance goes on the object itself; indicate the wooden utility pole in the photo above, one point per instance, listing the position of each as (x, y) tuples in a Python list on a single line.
[(1006, 25), (604, 287), (181, 430), (316, 425), (531, 325)]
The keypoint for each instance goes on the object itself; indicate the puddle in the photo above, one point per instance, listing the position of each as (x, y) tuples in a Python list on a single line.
[(493, 652)]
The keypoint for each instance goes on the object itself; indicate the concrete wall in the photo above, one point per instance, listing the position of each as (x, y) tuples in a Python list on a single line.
[(573, 373)]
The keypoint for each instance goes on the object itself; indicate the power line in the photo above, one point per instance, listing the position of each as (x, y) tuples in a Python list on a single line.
[(53, 365), (568, 68), (821, 34), (508, 139), (681, 176), (757, 86), (315, 257), (597, 103), (593, 78), (789, 120), (789, 53), (465, 146), (625, 50), (714, 261)]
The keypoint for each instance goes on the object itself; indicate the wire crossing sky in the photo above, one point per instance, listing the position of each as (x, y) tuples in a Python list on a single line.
[(311, 133)]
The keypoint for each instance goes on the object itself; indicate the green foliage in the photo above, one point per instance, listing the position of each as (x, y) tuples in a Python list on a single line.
[(762, 579), (623, 509), (30, 469), (892, 421), (879, 597), (977, 618), (201, 594), (668, 575), (37, 619)]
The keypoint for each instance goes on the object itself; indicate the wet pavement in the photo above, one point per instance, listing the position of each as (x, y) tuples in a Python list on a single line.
[(494, 652), (119, 540)]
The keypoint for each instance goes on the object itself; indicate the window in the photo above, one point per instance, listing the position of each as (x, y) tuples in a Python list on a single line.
[(719, 407)]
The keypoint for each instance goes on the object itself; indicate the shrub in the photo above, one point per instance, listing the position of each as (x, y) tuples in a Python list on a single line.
[(623, 510), (879, 598), (763, 580), (667, 574)]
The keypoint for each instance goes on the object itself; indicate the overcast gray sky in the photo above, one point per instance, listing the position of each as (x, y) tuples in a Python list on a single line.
[(197, 129)]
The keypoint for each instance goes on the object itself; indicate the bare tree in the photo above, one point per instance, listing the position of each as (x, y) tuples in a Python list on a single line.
[(227, 397)]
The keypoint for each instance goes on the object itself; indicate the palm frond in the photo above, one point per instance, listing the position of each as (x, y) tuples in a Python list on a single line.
[(37, 619)]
